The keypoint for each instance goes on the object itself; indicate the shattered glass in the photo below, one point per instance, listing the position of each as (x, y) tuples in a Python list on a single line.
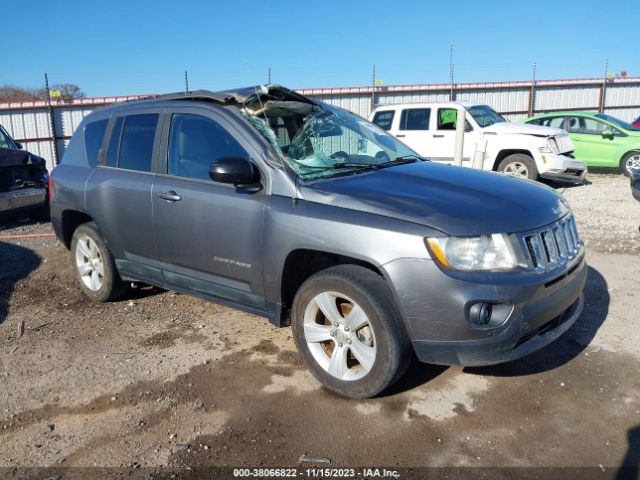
[(265, 130), (319, 141)]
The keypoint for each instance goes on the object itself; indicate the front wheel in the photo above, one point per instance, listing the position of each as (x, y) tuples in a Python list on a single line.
[(94, 265), (631, 161), (346, 327), (519, 165)]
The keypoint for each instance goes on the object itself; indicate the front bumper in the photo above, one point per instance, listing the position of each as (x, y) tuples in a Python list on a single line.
[(562, 168), (434, 305), (22, 198)]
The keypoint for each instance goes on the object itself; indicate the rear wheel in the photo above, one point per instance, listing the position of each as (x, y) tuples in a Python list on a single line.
[(519, 165), (631, 161), (347, 330), (94, 265)]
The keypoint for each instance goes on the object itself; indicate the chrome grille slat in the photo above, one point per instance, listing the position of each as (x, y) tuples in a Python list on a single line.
[(570, 244), (552, 246), (562, 244)]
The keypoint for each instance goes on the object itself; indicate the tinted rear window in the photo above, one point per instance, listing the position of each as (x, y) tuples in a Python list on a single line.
[(136, 145), (384, 119), (93, 134)]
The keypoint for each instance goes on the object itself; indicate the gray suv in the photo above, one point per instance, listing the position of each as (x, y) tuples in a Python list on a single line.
[(288, 208)]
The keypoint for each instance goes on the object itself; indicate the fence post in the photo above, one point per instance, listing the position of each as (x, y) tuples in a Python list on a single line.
[(373, 89), (52, 121), (603, 89), (532, 93)]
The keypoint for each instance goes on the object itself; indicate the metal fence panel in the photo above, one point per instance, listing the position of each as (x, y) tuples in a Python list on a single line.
[(29, 122), (565, 98)]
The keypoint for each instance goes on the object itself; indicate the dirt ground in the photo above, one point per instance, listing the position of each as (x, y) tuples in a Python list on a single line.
[(161, 379)]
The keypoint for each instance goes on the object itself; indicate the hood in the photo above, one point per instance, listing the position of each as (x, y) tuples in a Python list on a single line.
[(524, 129), (455, 200)]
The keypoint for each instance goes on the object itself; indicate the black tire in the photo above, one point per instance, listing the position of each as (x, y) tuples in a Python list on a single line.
[(112, 285), (369, 291), (623, 162), (523, 159)]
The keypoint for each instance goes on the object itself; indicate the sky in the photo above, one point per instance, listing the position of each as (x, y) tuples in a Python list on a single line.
[(118, 47)]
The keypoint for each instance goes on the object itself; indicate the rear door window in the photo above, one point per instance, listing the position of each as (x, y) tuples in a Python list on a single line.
[(136, 144), (415, 119), (93, 135), (384, 119)]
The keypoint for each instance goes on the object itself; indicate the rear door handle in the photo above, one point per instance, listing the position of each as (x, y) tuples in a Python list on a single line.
[(400, 136), (170, 196), (438, 136)]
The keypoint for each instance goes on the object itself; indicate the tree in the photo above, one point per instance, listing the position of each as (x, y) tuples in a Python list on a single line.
[(10, 93)]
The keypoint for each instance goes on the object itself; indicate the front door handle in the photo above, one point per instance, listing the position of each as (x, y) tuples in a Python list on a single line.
[(170, 196), (400, 136), (437, 136)]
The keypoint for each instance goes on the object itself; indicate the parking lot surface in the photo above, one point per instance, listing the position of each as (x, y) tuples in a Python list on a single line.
[(159, 378)]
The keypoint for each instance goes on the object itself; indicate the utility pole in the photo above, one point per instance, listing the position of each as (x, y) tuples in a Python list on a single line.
[(269, 76), (186, 82), (52, 120), (451, 71)]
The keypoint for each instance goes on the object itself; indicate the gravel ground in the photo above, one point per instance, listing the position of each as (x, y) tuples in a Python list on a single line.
[(608, 217), (159, 379)]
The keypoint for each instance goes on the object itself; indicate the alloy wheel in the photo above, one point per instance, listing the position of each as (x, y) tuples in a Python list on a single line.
[(633, 163), (340, 336), (89, 263), (517, 169)]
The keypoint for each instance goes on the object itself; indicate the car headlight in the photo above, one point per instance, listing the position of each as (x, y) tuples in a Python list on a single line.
[(550, 147), (486, 252)]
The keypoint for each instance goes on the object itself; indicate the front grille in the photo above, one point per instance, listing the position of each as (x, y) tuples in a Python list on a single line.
[(552, 246), (573, 171), (564, 143)]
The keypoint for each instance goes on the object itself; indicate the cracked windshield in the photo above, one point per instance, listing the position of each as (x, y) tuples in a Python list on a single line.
[(328, 142)]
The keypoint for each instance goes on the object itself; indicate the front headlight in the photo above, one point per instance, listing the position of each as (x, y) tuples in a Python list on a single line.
[(486, 252), (550, 147)]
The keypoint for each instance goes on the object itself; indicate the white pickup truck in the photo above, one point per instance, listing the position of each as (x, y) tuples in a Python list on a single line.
[(490, 142)]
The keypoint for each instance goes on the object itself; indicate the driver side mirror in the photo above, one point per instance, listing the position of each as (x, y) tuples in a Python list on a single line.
[(19, 145), (609, 134), (234, 170)]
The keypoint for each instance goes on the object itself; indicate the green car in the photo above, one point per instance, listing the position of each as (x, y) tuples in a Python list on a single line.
[(600, 140)]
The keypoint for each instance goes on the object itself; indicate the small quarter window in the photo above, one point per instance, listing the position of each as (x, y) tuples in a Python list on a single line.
[(93, 134)]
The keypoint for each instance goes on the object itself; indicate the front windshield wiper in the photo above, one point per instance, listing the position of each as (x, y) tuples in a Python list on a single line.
[(400, 160), (360, 166), (373, 166)]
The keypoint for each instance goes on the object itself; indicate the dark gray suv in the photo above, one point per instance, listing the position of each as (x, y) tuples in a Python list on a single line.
[(283, 206)]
